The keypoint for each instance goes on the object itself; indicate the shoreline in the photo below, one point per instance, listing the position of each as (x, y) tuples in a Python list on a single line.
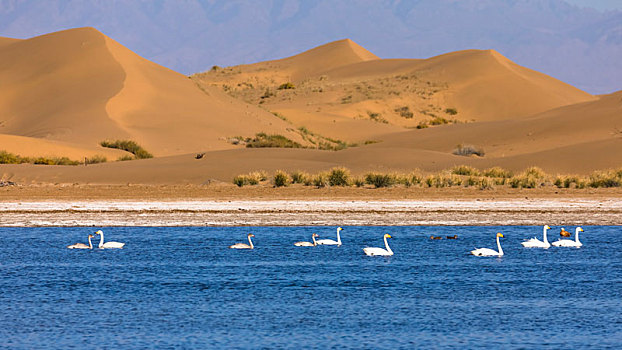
[(311, 212)]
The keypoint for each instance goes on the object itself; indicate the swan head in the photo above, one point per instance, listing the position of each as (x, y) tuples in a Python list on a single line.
[(91, 236), (315, 235), (499, 234), (579, 229), (386, 235), (547, 227), (98, 232), (339, 229), (250, 235)]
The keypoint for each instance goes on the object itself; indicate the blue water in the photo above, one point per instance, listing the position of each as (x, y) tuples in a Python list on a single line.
[(182, 288)]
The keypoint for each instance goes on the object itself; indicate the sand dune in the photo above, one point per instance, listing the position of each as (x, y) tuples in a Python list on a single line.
[(87, 88), (81, 87)]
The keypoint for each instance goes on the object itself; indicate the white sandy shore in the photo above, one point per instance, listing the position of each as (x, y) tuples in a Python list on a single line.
[(314, 212)]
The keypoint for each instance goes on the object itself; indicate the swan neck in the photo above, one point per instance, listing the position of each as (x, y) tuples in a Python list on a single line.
[(386, 245), (250, 242), (90, 243), (576, 235), (544, 233), (313, 238), (499, 246), (101, 239), (338, 237)]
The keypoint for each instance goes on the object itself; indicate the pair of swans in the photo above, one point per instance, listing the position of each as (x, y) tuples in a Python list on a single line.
[(297, 244), (102, 245), (536, 243)]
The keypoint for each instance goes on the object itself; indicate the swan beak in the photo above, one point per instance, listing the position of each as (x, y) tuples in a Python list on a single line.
[(547, 227), (388, 235), (500, 234), (581, 229)]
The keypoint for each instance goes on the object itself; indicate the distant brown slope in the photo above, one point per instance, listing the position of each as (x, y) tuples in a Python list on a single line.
[(79, 86), (347, 95)]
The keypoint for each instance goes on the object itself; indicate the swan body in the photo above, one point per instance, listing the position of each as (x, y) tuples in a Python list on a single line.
[(536, 243), (330, 241), (244, 245), (308, 244), (370, 251), (107, 245), (82, 245), (568, 242), (489, 252)]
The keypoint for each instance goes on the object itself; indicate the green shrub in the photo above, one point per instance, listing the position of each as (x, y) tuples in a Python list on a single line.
[(124, 158), (129, 146), (438, 121), (55, 161), (358, 181), (339, 177), (423, 125), (464, 170), (380, 180), (96, 159), (281, 179), (299, 177), (262, 140), (240, 180), (10, 158), (605, 179), (451, 111), (404, 112), (531, 178), (320, 180), (468, 150), (497, 172), (286, 86)]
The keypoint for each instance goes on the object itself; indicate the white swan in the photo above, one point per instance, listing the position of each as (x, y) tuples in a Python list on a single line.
[(379, 251), (308, 244), (489, 252), (82, 245), (330, 241), (569, 242), (536, 243), (244, 245), (107, 245)]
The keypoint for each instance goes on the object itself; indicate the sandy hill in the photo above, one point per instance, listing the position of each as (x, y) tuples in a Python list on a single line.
[(342, 91), (80, 87), (574, 139)]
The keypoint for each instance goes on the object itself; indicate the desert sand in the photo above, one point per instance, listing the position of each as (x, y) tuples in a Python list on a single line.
[(67, 91)]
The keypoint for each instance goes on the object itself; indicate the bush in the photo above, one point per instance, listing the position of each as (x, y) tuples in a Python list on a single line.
[(440, 180), (240, 180), (124, 158), (55, 161), (286, 86), (320, 180), (451, 111), (129, 146), (497, 172), (339, 177), (263, 140), (10, 158), (605, 179), (404, 112), (96, 159), (439, 121), (531, 178), (464, 170), (468, 150), (299, 177), (380, 180), (281, 179), (358, 181)]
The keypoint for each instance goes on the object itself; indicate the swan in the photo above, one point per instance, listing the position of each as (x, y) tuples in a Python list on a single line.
[(82, 245), (536, 243), (564, 233), (569, 242), (308, 244), (379, 251), (330, 241), (244, 245), (107, 245), (489, 252)]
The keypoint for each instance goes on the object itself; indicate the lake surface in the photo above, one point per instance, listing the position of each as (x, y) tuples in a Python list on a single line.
[(180, 287)]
